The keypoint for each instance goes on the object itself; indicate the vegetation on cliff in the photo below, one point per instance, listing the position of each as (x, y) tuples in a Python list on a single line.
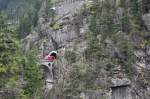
[(114, 29)]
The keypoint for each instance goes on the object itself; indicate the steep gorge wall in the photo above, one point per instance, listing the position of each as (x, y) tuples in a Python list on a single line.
[(68, 33)]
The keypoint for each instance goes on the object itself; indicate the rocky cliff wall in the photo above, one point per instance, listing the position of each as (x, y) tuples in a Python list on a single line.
[(67, 33)]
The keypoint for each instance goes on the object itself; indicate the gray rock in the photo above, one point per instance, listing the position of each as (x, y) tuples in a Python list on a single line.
[(112, 50), (139, 53), (68, 6), (116, 82), (146, 19)]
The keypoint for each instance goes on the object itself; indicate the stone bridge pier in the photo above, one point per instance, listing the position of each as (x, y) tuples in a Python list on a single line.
[(48, 74), (121, 89), (120, 85)]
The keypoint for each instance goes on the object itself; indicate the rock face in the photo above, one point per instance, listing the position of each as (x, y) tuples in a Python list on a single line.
[(143, 67), (67, 27), (68, 7), (64, 33), (68, 33), (120, 82), (143, 58), (146, 19)]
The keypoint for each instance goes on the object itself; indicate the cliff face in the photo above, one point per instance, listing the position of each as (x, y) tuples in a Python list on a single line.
[(66, 31)]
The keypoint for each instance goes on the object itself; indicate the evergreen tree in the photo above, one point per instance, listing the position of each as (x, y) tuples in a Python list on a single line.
[(102, 21), (9, 54), (94, 50), (135, 15), (24, 26), (29, 19), (32, 76)]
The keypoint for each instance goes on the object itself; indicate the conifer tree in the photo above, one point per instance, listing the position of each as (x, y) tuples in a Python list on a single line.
[(9, 54)]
